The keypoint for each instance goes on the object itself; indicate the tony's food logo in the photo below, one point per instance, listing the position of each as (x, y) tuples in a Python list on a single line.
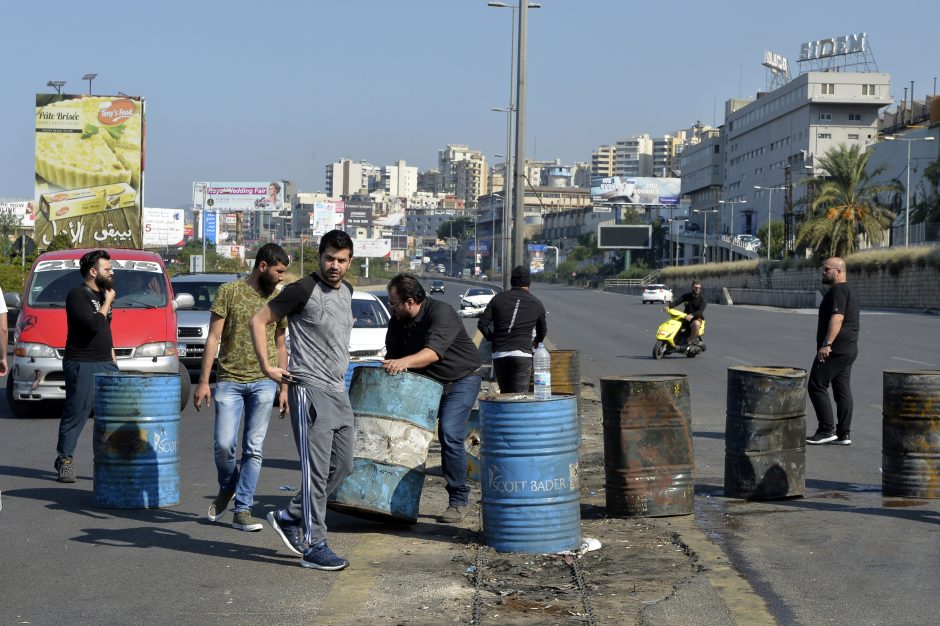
[(116, 112)]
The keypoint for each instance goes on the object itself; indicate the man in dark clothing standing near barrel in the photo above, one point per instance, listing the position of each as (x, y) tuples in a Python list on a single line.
[(89, 350), (507, 323), (836, 350), (425, 336)]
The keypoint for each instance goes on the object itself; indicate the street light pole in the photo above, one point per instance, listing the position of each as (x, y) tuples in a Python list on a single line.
[(770, 194), (732, 203), (907, 188), (705, 232), (89, 78)]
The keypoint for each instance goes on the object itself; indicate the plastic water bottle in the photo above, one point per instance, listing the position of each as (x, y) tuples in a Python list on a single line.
[(542, 366)]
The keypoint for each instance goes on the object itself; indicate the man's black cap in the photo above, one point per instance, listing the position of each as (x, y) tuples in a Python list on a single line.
[(520, 277)]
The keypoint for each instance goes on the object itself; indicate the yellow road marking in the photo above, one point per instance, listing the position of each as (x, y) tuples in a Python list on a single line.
[(353, 586)]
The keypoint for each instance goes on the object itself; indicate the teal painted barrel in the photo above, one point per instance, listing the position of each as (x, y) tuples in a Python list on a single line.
[(395, 419), (136, 441), (355, 363), (529, 454)]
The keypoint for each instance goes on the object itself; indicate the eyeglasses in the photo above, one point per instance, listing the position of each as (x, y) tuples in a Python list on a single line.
[(392, 305)]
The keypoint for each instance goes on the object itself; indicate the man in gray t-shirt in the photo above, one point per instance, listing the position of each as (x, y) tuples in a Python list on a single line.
[(318, 308)]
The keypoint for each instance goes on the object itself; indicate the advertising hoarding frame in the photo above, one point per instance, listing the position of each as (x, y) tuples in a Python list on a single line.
[(606, 232)]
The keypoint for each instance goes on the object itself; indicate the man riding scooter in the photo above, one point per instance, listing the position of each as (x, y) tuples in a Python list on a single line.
[(694, 303)]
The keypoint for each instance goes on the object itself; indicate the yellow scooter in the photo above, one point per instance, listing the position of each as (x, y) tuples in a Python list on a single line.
[(672, 336)]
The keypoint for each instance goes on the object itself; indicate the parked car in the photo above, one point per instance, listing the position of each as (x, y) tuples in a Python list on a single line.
[(437, 286), (474, 301), (371, 325), (194, 323), (657, 293), (143, 325)]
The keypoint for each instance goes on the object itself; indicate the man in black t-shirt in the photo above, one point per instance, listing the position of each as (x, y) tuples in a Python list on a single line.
[(89, 350), (425, 336), (836, 350), (695, 304)]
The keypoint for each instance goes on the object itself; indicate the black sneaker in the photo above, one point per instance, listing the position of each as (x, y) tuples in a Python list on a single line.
[(841, 440), (321, 557), (290, 533), (66, 470), (821, 438)]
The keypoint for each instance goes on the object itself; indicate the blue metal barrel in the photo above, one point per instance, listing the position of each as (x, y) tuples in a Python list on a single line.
[(529, 455), (395, 419), (136, 441), (354, 363)]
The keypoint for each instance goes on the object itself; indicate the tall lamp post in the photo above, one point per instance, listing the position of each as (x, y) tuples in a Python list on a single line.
[(907, 187), (732, 203), (516, 214), (770, 195), (56, 84), (89, 78), (705, 232)]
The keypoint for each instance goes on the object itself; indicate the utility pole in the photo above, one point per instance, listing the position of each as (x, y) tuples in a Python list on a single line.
[(518, 231)]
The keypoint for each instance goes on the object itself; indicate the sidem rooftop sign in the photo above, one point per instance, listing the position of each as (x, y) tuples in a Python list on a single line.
[(834, 46)]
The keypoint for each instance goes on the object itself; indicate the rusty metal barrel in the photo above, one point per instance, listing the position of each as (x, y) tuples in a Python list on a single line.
[(765, 432), (566, 374), (910, 439), (648, 458), (395, 418)]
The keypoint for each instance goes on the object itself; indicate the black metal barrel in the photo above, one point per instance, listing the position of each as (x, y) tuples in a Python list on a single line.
[(648, 460), (765, 433), (910, 438)]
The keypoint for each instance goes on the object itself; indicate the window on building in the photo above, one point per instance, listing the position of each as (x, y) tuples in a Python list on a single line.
[(824, 136), (855, 117), (853, 136), (825, 116), (868, 90), (828, 88)]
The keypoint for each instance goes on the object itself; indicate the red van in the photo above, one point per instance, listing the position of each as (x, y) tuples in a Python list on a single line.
[(143, 324)]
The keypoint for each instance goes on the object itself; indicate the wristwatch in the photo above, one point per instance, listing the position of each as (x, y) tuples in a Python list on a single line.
[(826, 344)]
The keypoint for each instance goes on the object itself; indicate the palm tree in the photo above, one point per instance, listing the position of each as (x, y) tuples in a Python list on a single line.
[(845, 205)]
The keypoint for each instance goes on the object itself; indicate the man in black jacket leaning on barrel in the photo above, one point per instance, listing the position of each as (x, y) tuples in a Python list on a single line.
[(507, 323)]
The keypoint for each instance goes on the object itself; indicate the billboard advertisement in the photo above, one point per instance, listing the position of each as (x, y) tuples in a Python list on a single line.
[(210, 226), (23, 210), (624, 237), (358, 213), (536, 258), (89, 169), (163, 227), (372, 248), (323, 216), (256, 196), (230, 251), (632, 190)]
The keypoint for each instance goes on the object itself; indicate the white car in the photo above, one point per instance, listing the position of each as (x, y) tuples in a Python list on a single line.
[(474, 300), (370, 327), (657, 293)]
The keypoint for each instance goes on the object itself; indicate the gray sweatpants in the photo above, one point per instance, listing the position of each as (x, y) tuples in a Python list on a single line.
[(325, 435)]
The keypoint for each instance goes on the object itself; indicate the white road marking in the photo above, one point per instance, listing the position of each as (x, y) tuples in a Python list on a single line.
[(731, 358), (897, 358)]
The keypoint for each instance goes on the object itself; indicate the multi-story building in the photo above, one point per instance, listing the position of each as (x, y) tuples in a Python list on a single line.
[(774, 139), (602, 161), (345, 177), (666, 151), (431, 181), (464, 172), (399, 180), (634, 156)]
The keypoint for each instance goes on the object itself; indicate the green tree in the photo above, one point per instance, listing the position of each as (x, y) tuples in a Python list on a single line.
[(928, 210), (846, 204), (776, 241), (462, 228), (60, 242)]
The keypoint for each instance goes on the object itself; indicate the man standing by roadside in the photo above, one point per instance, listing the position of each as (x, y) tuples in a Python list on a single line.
[(242, 386), (89, 350), (507, 323), (836, 350), (319, 315), (425, 336)]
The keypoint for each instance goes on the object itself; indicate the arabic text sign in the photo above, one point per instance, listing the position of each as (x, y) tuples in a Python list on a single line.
[(163, 227), (372, 248), (636, 190), (89, 169)]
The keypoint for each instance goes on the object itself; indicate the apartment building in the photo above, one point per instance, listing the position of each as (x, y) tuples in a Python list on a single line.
[(463, 172), (602, 161), (634, 156), (399, 180)]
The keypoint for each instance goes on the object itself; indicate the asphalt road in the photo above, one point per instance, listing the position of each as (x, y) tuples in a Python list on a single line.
[(842, 554)]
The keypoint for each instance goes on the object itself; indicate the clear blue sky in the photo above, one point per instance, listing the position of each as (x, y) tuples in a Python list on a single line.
[(268, 90)]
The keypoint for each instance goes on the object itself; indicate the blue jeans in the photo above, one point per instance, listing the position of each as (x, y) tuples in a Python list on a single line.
[(257, 401), (79, 401), (452, 416)]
